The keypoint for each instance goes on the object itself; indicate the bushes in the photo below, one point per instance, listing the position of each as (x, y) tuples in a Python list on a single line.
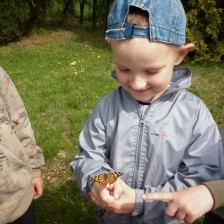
[(14, 15), (18, 17), (205, 24)]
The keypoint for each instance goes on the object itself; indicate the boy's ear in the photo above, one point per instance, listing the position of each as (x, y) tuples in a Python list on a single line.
[(182, 52)]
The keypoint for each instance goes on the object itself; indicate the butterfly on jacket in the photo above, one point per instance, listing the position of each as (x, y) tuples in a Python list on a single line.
[(107, 178)]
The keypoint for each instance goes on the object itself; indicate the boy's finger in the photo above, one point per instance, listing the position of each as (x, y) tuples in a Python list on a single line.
[(160, 196), (109, 187), (118, 191)]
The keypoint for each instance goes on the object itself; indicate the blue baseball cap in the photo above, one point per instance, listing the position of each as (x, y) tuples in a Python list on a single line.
[(167, 21)]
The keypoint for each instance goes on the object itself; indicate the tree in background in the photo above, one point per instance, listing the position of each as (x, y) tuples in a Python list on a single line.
[(17, 18), (82, 6), (205, 28), (14, 16), (38, 12)]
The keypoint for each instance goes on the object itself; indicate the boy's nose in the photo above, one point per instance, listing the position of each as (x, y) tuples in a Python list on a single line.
[(138, 84)]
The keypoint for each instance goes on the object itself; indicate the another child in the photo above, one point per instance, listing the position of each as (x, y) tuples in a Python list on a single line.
[(160, 136), (20, 158)]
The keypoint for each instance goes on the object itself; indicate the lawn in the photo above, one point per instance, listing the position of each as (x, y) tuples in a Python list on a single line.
[(61, 75)]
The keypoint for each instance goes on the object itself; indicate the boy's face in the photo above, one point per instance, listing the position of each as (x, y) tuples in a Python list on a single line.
[(143, 68)]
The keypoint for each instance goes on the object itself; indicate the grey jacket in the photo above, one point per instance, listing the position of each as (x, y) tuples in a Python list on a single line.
[(171, 144)]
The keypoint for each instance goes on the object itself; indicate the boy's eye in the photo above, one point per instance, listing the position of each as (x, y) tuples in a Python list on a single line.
[(150, 72), (124, 69)]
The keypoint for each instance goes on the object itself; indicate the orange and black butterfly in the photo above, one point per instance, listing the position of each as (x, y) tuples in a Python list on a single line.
[(107, 178)]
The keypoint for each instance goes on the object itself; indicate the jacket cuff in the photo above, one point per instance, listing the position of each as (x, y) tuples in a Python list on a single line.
[(139, 203), (36, 173)]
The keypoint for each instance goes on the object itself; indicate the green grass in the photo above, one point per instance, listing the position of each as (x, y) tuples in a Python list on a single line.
[(59, 97), (208, 84)]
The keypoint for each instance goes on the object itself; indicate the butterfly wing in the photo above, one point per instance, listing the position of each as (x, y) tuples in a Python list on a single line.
[(112, 177), (102, 179), (106, 178)]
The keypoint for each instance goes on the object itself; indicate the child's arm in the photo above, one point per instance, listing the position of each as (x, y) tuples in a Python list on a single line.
[(94, 153), (20, 123), (188, 204)]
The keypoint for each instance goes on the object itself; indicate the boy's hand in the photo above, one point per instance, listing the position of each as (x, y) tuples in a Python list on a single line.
[(116, 189), (124, 195), (37, 186), (117, 197), (100, 195)]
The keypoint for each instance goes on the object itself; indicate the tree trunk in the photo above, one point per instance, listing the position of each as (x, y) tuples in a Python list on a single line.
[(68, 4), (94, 14), (107, 3), (82, 4)]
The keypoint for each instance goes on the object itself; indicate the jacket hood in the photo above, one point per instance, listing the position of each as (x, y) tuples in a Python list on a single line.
[(181, 79)]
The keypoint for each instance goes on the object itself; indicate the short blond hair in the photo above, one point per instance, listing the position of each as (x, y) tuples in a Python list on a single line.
[(138, 17)]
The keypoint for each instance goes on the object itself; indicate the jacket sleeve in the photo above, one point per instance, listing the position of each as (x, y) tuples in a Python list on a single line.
[(217, 187), (217, 190), (202, 161), (20, 123), (93, 158)]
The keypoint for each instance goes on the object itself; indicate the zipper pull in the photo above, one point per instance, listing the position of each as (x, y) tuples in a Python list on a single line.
[(142, 122)]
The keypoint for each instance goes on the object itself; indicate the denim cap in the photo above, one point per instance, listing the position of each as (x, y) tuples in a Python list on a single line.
[(167, 21)]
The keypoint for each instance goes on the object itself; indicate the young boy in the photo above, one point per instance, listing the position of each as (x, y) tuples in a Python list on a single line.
[(20, 158), (161, 137)]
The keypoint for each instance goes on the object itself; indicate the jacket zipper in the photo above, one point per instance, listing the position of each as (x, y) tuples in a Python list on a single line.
[(139, 147)]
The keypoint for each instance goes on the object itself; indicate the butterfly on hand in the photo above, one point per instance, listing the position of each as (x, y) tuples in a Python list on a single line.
[(107, 178)]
